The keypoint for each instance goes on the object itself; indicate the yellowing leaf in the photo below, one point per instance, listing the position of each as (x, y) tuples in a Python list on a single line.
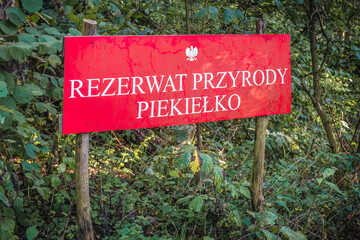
[(195, 164)]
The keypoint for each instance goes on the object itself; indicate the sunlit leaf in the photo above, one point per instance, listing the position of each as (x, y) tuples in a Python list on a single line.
[(245, 191), (218, 174), (328, 172), (196, 204), (269, 235), (196, 162), (292, 235)]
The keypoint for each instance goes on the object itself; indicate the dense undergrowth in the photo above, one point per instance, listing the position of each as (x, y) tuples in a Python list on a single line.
[(143, 183)]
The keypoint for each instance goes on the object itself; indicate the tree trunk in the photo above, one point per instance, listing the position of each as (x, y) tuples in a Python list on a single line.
[(259, 149), (82, 167), (316, 98)]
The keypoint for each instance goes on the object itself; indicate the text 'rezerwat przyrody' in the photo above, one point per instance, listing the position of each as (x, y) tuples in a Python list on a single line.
[(122, 86)]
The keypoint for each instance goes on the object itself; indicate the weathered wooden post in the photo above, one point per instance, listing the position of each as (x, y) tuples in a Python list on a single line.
[(259, 149), (82, 166), (197, 125)]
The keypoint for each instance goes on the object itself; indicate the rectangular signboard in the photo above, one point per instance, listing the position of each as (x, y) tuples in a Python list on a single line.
[(128, 82)]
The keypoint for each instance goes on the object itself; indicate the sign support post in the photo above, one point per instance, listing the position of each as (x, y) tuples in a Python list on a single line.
[(82, 166), (197, 125), (259, 149)]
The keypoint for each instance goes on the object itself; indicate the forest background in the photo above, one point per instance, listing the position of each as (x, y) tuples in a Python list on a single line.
[(153, 183)]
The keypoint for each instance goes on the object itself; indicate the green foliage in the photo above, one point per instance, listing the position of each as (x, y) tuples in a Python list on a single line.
[(32, 5), (162, 187)]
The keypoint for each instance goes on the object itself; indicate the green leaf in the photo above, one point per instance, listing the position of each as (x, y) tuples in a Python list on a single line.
[(4, 199), (32, 5), (43, 107), (55, 182), (149, 171), (181, 135), (32, 31), (235, 216), (207, 163), (182, 160), (218, 175), (333, 186), (284, 205), (57, 93), (22, 95), (20, 51), (5, 52), (208, 238), (196, 204), (201, 14), (27, 38), (9, 79), (31, 150), (278, 3), (31, 233), (54, 82), (16, 16), (3, 89), (245, 191), (31, 166), (62, 168), (34, 89), (7, 224), (53, 31), (2, 118), (266, 218), (70, 161), (19, 204), (228, 16), (7, 104), (19, 117), (328, 172), (269, 235), (239, 14), (7, 27), (292, 235), (213, 12), (74, 32), (173, 173), (47, 38), (7, 120), (54, 60), (185, 199), (44, 82)]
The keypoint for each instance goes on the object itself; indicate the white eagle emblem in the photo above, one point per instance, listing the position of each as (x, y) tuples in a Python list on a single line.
[(191, 53)]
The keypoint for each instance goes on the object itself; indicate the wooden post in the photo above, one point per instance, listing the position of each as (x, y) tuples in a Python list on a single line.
[(82, 166), (259, 150), (197, 125)]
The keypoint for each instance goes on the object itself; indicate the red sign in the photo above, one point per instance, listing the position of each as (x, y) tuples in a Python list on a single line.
[(127, 82)]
